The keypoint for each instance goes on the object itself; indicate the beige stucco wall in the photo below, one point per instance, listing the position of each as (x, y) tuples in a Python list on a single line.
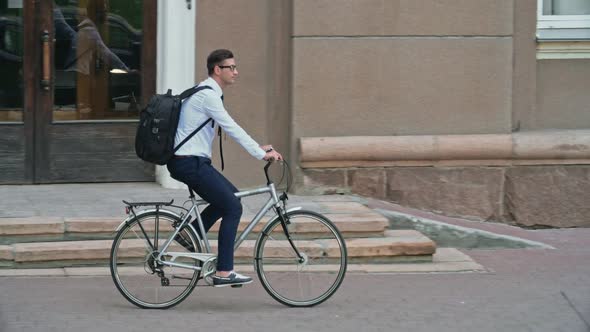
[(386, 67), (254, 30), (401, 86), (451, 73), (547, 94), (401, 67), (524, 69), (563, 94), (402, 17)]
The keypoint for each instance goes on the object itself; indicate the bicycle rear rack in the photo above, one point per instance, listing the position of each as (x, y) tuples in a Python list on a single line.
[(136, 204)]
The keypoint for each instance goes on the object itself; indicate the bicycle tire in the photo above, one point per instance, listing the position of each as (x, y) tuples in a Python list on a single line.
[(319, 241), (131, 250)]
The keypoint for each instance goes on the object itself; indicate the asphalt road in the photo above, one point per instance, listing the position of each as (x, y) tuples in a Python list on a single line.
[(524, 290)]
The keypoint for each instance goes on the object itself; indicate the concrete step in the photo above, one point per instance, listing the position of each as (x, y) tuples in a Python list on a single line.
[(397, 246), (443, 261), (362, 223)]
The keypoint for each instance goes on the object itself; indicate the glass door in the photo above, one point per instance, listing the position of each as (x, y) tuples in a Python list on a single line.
[(97, 59), (16, 23), (74, 76)]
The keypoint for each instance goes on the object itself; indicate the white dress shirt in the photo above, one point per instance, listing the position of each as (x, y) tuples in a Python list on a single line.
[(197, 109)]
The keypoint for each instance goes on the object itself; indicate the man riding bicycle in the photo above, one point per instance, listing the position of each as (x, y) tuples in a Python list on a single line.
[(192, 162)]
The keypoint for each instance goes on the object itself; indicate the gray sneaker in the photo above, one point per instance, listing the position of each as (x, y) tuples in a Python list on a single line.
[(231, 280)]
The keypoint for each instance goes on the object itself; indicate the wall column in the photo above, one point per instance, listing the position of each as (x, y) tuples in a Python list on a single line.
[(176, 58)]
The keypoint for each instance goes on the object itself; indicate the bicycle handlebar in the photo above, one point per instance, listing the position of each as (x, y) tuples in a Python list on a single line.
[(268, 163)]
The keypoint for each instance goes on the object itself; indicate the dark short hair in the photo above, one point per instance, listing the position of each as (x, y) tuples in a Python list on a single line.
[(216, 57)]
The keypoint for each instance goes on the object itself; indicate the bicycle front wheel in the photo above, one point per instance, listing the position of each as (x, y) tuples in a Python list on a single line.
[(136, 272), (308, 269)]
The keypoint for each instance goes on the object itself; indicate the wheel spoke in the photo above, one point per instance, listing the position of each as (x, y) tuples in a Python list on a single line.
[(301, 283), (142, 239), (131, 249)]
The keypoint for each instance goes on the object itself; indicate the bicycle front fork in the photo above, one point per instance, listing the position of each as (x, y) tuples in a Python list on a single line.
[(284, 222)]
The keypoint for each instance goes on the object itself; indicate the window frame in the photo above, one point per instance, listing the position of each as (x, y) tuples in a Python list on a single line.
[(562, 36), (562, 27)]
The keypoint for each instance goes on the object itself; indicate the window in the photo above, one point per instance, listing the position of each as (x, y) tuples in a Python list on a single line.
[(563, 29), (98, 67), (11, 62), (563, 20)]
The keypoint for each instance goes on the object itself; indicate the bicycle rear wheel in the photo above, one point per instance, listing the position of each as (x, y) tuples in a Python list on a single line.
[(305, 281), (138, 276)]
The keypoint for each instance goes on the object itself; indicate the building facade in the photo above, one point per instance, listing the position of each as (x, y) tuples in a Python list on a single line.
[(473, 108)]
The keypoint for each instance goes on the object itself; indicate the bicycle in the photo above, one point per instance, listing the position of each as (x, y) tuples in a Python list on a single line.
[(299, 256)]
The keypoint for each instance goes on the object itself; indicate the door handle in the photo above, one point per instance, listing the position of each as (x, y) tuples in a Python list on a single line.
[(45, 78)]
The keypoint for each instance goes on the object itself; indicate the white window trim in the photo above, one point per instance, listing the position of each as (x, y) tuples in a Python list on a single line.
[(562, 36)]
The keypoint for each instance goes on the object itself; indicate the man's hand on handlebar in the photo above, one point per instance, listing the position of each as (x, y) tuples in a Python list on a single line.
[(272, 155)]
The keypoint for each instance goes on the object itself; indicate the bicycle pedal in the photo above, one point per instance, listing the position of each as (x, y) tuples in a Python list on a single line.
[(236, 286)]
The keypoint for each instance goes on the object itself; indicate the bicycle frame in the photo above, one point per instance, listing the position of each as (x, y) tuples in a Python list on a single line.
[(315, 245), (207, 256)]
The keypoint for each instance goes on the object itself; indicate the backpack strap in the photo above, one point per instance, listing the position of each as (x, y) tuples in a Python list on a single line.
[(189, 92), (220, 148), (191, 135), (220, 141)]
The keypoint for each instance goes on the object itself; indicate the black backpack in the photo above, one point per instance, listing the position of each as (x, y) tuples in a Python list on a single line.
[(154, 141)]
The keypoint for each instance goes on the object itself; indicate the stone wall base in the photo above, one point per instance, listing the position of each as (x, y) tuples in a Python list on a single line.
[(527, 196)]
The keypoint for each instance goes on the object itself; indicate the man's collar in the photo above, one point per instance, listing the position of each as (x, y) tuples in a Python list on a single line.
[(213, 84)]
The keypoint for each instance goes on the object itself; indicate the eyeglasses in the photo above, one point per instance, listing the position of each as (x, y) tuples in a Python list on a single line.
[(232, 67)]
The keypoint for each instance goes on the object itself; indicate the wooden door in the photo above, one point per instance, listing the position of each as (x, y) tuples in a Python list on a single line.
[(87, 67)]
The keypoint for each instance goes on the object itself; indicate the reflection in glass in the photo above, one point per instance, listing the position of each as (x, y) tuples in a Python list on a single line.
[(11, 61), (566, 7), (97, 59)]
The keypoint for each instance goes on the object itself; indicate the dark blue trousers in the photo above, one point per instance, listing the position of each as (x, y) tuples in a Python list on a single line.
[(210, 185)]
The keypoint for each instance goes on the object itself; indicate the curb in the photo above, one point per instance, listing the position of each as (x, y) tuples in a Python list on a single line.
[(422, 223)]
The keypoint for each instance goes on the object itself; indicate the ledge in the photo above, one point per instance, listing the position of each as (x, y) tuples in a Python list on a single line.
[(563, 50), (525, 148)]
